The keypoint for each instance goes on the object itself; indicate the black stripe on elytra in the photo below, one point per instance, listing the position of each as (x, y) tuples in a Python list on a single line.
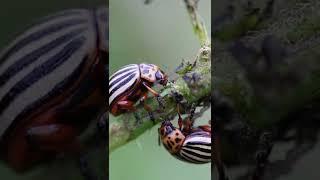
[(80, 115), (40, 34), (187, 158), (41, 71), (199, 143), (82, 92), (195, 154), (122, 84), (57, 90), (34, 55), (121, 78), (199, 149), (120, 72)]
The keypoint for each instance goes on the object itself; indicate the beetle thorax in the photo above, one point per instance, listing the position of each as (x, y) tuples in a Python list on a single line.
[(173, 141), (148, 72)]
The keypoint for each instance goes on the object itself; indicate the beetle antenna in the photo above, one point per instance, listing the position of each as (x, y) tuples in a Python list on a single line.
[(167, 69), (192, 113), (159, 138)]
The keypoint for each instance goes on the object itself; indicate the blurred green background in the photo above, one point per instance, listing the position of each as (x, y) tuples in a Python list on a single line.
[(159, 33), (15, 17)]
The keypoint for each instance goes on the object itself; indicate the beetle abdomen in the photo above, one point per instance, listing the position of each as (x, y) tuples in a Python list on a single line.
[(196, 148), (122, 81), (44, 61)]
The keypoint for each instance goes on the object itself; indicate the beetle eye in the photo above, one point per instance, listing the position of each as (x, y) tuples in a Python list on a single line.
[(158, 75), (168, 129)]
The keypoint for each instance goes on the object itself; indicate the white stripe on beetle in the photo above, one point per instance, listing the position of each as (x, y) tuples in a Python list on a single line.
[(123, 88)]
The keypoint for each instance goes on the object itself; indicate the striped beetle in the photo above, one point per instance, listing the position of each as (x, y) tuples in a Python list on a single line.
[(132, 83), (51, 85), (192, 144)]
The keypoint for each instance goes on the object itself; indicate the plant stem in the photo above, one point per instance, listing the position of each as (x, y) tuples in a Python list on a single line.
[(197, 22)]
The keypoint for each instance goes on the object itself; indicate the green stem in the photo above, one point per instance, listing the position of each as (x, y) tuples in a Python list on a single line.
[(197, 22)]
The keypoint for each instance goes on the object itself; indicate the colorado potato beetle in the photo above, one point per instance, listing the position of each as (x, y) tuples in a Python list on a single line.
[(132, 83), (51, 85), (192, 144)]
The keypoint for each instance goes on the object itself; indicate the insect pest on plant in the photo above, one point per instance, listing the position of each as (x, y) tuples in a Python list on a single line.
[(192, 144), (51, 85), (132, 83)]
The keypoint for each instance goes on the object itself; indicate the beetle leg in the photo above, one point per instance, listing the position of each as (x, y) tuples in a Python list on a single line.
[(206, 128), (126, 105), (188, 124), (180, 122), (155, 94), (151, 90), (122, 106), (147, 107), (53, 137), (192, 112)]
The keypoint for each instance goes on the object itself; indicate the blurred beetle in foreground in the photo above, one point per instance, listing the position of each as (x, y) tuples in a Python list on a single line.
[(52, 85)]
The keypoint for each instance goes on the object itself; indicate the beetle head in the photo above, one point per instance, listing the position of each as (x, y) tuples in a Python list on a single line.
[(171, 137), (153, 74), (161, 77), (166, 128)]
